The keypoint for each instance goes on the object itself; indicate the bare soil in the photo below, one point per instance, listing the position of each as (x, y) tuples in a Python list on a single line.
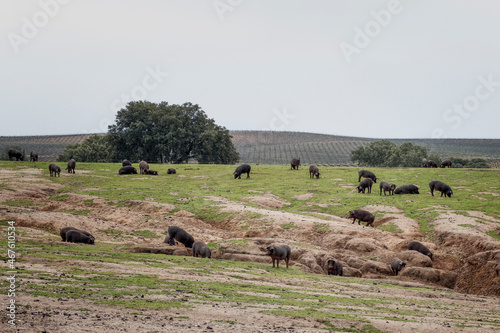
[(466, 261)]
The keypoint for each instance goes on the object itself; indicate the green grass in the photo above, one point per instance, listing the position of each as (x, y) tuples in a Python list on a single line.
[(334, 191), (321, 227), (112, 232), (145, 234), (494, 233), (59, 197), (290, 225), (391, 227), (18, 203)]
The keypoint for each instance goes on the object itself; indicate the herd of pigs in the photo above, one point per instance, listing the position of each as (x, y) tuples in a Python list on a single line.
[(276, 252)]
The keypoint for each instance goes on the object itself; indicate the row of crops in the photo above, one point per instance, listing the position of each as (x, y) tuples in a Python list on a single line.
[(48, 147), (332, 153)]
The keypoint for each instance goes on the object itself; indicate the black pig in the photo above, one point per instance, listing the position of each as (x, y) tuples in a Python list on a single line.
[(64, 231), (244, 168), (366, 174), (407, 189), (76, 236), (180, 235), (365, 184), (71, 166), (313, 171), (362, 216), (200, 248), (385, 186), (127, 170), (441, 187), (397, 265), (279, 252), (55, 170), (334, 268), (419, 247)]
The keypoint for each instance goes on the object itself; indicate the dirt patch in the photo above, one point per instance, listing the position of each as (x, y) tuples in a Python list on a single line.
[(491, 193), (305, 196), (268, 200), (450, 221), (380, 208)]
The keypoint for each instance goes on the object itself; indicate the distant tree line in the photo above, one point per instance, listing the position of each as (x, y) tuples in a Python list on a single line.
[(158, 133), (384, 153)]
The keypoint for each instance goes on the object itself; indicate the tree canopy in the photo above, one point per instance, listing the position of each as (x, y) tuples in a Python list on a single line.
[(169, 133), (95, 149), (384, 153)]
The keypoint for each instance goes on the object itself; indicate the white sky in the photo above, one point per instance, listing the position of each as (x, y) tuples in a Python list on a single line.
[(255, 64)]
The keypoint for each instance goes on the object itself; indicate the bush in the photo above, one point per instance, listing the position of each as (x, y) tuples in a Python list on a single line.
[(384, 153), (458, 162)]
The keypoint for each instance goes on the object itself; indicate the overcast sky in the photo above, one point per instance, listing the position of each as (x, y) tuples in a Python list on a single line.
[(379, 69)]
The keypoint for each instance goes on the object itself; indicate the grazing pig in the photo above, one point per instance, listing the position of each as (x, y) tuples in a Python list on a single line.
[(71, 166), (64, 231), (313, 171), (334, 267), (397, 265), (279, 252), (431, 164), (244, 168), (200, 248), (76, 236), (295, 163), (362, 216), (445, 163), (152, 172), (385, 186), (366, 183), (366, 174), (419, 247), (127, 170), (143, 167), (126, 162), (33, 156), (180, 235), (424, 163), (171, 171), (15, 153), (441, 187), (55, 170), (407, 189)]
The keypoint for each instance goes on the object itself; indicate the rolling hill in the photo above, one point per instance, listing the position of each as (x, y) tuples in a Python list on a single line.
[(266, 147)]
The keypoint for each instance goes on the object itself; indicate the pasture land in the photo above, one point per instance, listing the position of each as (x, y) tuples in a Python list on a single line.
[(131, 281)]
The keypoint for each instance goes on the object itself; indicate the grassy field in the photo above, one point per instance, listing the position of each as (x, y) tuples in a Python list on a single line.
[(108, 277), (188, 189)]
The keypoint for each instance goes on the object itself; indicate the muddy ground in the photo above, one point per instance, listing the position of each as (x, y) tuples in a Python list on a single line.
[(466, 262)]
